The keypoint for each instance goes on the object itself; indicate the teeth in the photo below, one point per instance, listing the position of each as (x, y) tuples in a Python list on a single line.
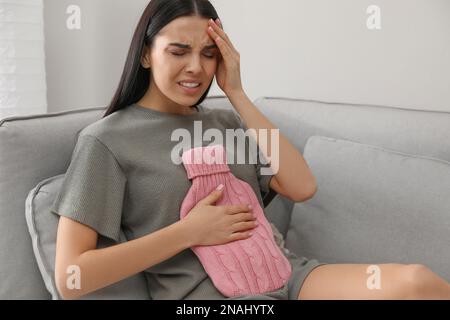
[(190, 85)]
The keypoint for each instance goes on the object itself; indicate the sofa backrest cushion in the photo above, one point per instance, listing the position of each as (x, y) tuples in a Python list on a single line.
[(373, 205), (43, 224), (32, 148), (420, 132)]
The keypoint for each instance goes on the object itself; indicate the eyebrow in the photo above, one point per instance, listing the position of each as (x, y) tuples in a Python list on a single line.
[(186, 46)]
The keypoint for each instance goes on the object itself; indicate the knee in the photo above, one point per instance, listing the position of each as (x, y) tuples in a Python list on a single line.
[(414, 279)]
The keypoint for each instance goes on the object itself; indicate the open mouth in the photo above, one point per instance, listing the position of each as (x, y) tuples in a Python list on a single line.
[(190, 87)]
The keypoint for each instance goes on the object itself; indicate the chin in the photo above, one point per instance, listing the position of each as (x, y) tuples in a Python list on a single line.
[(188, 101)]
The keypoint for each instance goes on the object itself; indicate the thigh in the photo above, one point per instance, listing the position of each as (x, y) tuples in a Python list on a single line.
[(352, 281)]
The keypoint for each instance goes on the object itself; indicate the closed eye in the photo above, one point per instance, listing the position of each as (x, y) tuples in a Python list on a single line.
[(182, 54)]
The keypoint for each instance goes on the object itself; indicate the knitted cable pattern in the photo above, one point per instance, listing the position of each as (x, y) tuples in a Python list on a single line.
[(244, 267)]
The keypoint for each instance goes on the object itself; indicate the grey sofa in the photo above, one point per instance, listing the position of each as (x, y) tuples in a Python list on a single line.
[(383, 184)]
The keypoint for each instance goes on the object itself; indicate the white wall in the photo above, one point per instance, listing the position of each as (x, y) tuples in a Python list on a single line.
[(84, 66), (312, 49)]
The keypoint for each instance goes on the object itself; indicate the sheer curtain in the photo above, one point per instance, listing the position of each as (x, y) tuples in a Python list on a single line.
[(22, 58)]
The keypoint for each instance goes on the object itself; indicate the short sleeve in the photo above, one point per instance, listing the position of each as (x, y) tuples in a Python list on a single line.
[(263, 179), (93, 188)]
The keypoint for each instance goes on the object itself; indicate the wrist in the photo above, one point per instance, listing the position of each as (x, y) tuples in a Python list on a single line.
[(187, 236), (235, 95)]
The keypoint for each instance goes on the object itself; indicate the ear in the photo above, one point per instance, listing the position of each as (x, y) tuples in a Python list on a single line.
[(145, 59)]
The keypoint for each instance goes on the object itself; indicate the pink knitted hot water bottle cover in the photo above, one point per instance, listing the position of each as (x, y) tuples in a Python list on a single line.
[(253, 265)]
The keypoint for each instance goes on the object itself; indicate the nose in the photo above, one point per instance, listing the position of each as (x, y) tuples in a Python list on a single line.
[(194, 64)]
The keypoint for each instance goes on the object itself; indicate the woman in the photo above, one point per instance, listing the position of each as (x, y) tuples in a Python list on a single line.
[(121, 176)]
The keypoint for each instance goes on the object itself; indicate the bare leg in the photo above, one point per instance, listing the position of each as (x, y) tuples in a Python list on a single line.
[(350, 281)]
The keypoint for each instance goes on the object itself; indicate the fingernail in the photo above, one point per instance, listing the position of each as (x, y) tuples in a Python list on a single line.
[(250, 206), (220, 187), (218, 21)]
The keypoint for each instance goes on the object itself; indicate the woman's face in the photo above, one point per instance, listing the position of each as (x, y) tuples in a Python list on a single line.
[(181, 51)]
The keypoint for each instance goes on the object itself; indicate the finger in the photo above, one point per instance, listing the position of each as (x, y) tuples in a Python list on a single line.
[(218, 29), (238, 208), (243, 217), (244, 226), (240, 236), (213, 196), (223, 46)]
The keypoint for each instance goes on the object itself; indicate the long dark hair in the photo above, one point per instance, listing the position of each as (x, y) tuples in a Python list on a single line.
[(135, 79)]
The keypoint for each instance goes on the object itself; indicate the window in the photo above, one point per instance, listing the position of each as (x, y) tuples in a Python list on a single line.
[(22, 58)]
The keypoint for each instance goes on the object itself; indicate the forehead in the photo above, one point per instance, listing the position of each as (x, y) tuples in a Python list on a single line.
[(186, 30)]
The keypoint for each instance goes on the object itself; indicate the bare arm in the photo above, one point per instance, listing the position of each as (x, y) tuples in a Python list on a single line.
[(76, 245), (294, 178)]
